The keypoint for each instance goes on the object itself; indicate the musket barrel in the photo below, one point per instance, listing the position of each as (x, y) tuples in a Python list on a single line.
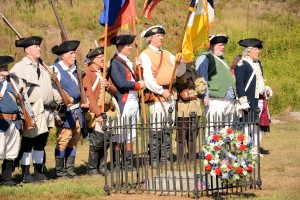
[(11, 26)]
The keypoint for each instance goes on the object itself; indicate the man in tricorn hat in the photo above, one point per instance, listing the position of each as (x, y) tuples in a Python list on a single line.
[(250, 84), (124, 77), (69, 119), (39, 91), (93, 82), (9, 123), (158, 66), (219, 98)]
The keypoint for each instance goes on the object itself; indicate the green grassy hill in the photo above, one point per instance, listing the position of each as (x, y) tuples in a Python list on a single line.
[(276, 22)]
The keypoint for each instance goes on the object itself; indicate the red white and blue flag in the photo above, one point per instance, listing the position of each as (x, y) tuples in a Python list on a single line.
[(125, 16), (149, 5)]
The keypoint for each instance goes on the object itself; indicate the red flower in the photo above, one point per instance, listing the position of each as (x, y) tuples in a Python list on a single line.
[(216, 138), (242, 147), (239, 170), (218, 171), (249, 168), (208, 167), (241, 138), (217, 148), (229, 167), (208, 157), (229, 130)]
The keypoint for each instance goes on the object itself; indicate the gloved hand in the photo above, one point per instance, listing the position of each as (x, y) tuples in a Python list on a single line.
[(269, 92)]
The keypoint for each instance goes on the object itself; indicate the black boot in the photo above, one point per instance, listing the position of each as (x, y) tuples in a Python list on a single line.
[(116, 164), (165, 148), (60, 167), (92, 168), (27, 178), (127, 160), (154, 149), (70, 161), (102, 162), (7, 168), (38, 173)]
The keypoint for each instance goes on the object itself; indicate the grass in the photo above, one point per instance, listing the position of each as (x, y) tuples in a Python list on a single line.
[(279, 171)]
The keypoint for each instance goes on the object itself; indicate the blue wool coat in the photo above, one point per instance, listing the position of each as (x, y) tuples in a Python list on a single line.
[(73, 91), (9, 106), (121, 76), (242, 76)]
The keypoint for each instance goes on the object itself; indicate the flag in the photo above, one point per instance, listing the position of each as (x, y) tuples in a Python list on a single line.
[(126, 16), (197, 29), (110, 11), (211, 12), (149, 5)]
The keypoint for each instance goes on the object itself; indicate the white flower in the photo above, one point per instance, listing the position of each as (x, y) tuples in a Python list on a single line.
[(223, 167), (245, 172), (221, 142), (236, 177), (224, 175), (235, 165), (243, 163), (213, 172)]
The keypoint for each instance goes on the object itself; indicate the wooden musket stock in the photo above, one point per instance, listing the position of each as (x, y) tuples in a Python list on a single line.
[(29, 123)]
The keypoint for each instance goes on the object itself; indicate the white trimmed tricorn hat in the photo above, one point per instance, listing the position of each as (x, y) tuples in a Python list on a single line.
[(218, 38), (157, 29)]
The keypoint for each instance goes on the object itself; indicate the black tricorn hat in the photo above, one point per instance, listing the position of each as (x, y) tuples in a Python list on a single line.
[(219, 38), (251, 42), (157, 29), (29, 41), (95, 52), (5, 60), (65, 47), (122, 39)]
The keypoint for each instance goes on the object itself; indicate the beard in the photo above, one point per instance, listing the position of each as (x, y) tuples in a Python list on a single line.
[(4, 74)]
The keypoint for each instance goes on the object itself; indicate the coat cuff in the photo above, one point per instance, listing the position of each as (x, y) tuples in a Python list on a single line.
[(243, 100), (137, 86)]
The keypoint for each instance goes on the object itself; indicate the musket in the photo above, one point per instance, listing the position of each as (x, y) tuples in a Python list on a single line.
[(29, 123), (68, 101), (64, 38)]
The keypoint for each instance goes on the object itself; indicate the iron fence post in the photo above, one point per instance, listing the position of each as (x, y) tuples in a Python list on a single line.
[(259, 181)]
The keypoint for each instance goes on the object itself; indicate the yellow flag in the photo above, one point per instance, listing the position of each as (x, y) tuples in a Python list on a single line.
[(197, 30)]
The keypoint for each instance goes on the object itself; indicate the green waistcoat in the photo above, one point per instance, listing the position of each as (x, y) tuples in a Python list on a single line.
[(219, 76)]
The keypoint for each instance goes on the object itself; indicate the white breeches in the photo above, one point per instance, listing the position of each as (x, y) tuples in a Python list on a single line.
[(9, 143)]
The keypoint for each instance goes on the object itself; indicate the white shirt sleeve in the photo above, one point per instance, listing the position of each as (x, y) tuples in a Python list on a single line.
[(149, 80)]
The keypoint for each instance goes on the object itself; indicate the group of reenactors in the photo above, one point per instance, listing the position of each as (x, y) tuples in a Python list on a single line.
[(121, 86)]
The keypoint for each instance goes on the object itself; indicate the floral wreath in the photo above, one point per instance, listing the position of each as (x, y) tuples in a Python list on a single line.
[(232, 166)]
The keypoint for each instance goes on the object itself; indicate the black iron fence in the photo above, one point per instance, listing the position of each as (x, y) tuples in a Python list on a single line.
[(182, 156)]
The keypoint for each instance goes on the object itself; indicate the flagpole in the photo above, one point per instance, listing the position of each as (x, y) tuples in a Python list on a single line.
[(180, 48), (104, 66), (139, 69)]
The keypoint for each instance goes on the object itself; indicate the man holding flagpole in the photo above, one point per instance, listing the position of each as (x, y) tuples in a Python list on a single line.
[(157, 67), (123, 75)]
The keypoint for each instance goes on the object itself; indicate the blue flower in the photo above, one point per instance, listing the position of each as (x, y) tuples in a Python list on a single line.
[(230, 174), (227, 139), (214, 165)]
